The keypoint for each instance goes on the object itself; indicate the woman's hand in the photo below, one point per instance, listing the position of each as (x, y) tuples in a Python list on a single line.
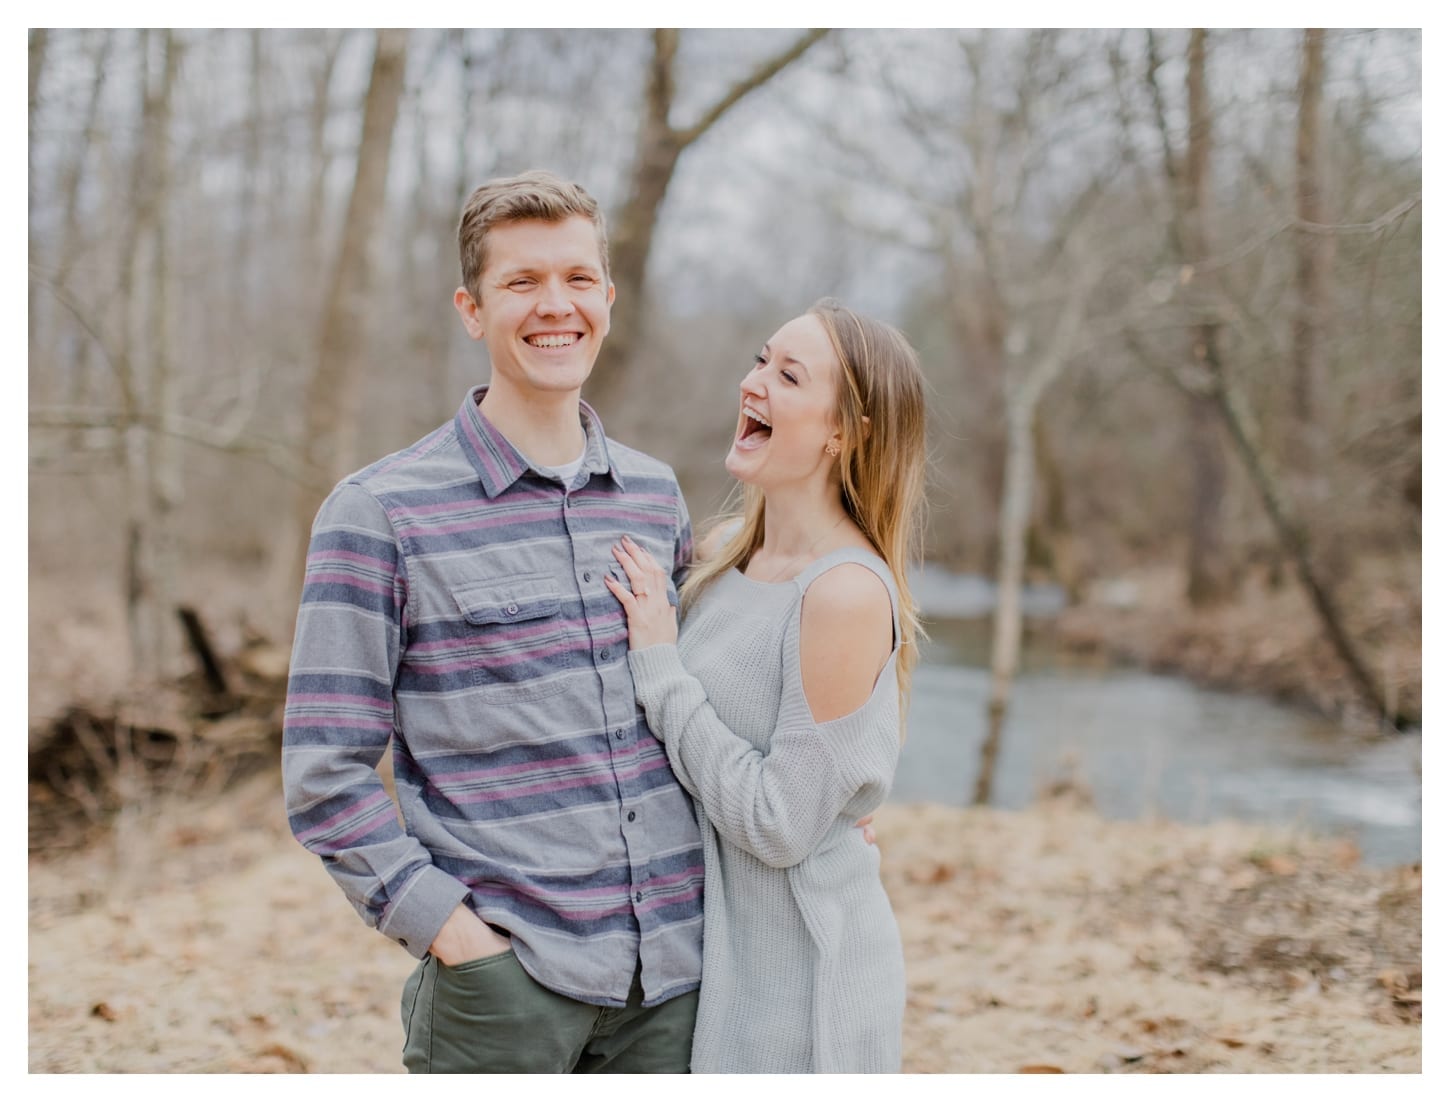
[(646, 602)]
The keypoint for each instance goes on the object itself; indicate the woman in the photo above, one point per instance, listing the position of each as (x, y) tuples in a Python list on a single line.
[(780, 706)]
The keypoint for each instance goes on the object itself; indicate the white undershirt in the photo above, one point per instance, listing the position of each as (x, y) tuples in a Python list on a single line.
[(566, 473)]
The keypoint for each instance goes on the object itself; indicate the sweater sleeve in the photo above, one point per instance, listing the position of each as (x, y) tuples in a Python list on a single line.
[(777, 806), (338, 719)]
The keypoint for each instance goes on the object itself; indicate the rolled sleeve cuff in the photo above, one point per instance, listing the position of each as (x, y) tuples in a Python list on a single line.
[(415, 917)]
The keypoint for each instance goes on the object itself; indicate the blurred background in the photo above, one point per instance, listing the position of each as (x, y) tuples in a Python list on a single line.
[(1166, 287)]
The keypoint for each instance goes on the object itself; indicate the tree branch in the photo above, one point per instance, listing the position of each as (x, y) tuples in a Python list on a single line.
[(762, 73), (274, 453)]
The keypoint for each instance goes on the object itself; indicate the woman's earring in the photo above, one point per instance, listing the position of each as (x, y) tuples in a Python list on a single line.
[(833, 449)]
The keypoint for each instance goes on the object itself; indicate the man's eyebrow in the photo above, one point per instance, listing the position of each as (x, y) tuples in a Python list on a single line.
[(790, 360), (529, 268)]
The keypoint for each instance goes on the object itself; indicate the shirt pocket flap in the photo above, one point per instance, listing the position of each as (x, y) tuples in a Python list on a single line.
[(508, 600)]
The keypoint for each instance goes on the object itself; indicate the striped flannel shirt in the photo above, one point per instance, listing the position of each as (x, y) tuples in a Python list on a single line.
[(454, 601)]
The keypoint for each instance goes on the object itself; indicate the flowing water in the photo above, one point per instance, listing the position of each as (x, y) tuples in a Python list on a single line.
[(1149, 744)]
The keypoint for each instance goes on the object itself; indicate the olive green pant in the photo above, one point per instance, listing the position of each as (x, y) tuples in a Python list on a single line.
[(490, 1015)]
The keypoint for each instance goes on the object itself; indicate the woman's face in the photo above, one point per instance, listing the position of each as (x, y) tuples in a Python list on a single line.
[(787, 408)]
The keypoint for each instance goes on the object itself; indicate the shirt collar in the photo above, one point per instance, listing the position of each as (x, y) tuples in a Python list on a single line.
[(499, 464)]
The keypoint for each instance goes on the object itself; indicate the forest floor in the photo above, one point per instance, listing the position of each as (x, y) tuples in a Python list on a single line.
[(198, 936)]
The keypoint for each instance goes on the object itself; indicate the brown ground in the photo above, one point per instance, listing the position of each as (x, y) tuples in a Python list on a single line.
[(198, 936), (1043, 938)]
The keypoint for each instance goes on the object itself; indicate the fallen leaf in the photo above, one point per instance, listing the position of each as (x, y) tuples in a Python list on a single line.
[(1231, 1042), (291, 1060), (937, 873), (1040, 1069), (106, 1011)]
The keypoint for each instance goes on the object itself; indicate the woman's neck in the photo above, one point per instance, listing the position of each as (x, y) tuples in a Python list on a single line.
[(800, 524)]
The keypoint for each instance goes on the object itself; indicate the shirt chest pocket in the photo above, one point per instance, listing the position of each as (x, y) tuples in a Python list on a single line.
[(518, 642)]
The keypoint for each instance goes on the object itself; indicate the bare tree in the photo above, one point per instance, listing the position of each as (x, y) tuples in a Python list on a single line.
[(1211, 387), (657, 151), (1023, 400), (1209, 577), (332, 401), (145, 377), (1312, 250)]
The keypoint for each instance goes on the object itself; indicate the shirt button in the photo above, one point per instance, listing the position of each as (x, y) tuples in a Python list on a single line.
[(604, 654), (512, 610), (403, 942), (588, 577), (639, 897), (631, 816), (619, 734)]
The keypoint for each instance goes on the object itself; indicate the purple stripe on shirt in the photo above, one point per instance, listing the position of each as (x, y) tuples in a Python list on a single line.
[(328, 554), (346, 813), (352, 580), (388, 814), (370, 702), (601, 777)]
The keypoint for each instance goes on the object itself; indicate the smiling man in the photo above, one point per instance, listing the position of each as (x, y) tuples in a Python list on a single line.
[(548, 872)]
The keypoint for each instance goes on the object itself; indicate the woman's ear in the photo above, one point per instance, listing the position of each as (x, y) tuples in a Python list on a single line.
[(865, 426)]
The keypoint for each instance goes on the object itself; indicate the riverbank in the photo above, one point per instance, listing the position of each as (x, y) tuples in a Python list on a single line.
[(201, 937), (1266, 639)]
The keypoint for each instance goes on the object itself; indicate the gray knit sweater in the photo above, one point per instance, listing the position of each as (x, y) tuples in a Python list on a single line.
[(803, 968)]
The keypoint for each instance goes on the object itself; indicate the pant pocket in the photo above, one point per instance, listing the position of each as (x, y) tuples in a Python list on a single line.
[(489, 1015)]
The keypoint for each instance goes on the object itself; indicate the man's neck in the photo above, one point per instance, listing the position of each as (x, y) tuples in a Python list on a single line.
[(545, 427)]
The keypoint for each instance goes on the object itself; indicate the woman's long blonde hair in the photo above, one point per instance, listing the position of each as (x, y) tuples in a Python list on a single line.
[(882, 466)]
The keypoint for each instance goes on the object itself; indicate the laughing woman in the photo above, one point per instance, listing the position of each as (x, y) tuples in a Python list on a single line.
[(780, 697)]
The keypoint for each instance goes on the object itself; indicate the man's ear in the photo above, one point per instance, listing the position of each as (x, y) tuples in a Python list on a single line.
[(609, 300), (467, 309)]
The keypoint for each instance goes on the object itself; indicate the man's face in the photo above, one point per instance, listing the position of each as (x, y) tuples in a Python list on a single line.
[(542, 307)]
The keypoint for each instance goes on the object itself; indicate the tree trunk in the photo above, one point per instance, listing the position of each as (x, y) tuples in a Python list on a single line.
[(39, 42), (315, 256), (1209, 577), (1015, 513), (147, 386), (1311, 454), (1312, 249), (1294, 537), (1189, 238), (631, 230), (1055, 534), (1007, 616), (332, 401)]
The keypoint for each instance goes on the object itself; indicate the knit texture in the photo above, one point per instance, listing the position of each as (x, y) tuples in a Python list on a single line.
[(803, 968)]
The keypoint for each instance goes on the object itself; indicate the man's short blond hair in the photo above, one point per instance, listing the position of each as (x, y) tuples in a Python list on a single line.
[(529, 196)]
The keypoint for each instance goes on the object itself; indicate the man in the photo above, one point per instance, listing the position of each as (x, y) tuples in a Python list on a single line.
[(550, 874)]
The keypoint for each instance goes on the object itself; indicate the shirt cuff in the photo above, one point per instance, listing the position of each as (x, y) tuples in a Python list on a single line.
[(422, 907)]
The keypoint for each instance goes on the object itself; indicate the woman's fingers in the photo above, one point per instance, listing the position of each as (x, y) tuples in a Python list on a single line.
[(632, 570), (643, 558), (623, 595)]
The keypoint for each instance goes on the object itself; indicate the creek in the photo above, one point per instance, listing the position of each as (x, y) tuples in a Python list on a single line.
[(1145, 744)]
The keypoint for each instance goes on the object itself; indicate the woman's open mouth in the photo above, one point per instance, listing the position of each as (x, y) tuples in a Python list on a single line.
[(754, 430)]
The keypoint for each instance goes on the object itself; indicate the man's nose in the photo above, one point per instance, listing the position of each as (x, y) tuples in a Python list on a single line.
[(554, 299)]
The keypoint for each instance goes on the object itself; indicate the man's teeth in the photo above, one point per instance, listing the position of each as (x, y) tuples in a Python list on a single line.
[(560, 341)]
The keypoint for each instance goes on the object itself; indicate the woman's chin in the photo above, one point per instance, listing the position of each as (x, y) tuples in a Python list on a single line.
[(738, 464)]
